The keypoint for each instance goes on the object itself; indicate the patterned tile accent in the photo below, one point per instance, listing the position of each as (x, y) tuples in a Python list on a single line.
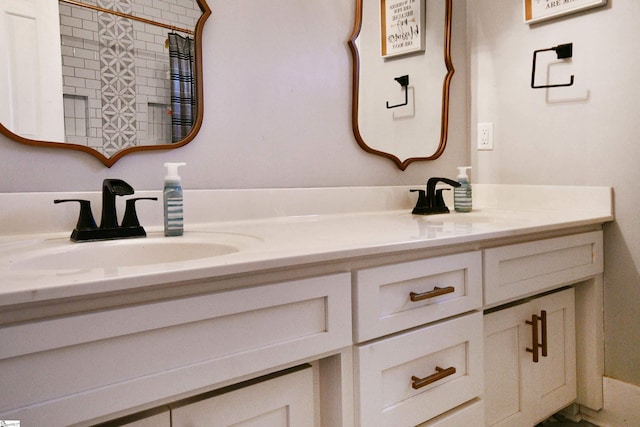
[(117, 76)]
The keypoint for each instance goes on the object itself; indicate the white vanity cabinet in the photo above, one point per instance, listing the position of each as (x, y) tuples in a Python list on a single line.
[(395, 339), (530, 360), (339, 309), (434, 363)]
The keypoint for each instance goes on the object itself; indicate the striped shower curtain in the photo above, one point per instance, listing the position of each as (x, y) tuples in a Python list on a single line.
[(183, 95)]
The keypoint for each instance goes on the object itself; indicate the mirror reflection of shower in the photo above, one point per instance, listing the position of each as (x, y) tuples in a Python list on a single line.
[(121, 86)]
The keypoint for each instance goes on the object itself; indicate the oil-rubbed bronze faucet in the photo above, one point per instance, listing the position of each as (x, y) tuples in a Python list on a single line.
[(86, 228), (431, 201)]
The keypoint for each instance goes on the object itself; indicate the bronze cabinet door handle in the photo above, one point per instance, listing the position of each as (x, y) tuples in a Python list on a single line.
[(534, 337), (543, 322), (536, 346)]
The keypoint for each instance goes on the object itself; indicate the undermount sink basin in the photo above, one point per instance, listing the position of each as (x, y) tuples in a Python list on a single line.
[(59, 254)]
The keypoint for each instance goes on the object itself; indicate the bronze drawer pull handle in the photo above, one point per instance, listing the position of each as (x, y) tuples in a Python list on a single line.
[(417, 383), (534, 335), (436, 292)]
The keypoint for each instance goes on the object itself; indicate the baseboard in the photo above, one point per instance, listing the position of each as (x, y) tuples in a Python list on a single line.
[(621, 405)]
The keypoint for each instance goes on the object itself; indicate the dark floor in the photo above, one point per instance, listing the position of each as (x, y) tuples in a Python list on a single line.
[(559, 421)]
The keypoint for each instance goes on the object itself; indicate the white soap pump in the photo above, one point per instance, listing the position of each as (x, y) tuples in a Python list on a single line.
[(462, 195), (173, 201)]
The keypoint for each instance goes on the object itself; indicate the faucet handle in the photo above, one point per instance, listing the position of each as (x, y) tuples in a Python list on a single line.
[(438, 202), (85, 219), (130, 218), (86, 223), (422, 198)]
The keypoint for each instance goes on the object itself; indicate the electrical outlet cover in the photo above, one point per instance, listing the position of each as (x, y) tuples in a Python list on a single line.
[(485, 136)]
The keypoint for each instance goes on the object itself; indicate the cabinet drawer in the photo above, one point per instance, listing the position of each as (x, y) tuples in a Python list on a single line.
[(396, 379), (162, 419), (465, 415), (515, 271), (383, 302), (286, 400), (103, 362)]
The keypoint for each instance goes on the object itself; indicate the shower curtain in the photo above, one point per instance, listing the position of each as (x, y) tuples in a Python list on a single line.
[(183, 96)]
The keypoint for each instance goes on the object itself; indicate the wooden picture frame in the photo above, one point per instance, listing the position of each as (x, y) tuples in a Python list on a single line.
[(540, 10)]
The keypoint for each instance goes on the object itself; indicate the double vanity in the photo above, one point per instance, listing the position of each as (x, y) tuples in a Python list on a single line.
[(307, 307)]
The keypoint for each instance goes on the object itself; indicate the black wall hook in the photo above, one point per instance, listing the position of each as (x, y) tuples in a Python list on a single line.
[(404, 82), (563, 51)]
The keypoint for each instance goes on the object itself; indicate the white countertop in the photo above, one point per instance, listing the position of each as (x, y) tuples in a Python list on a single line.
[(284, 241)]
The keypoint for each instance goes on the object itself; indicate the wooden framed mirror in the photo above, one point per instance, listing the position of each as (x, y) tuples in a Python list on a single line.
[(105, 77), (402, 70)]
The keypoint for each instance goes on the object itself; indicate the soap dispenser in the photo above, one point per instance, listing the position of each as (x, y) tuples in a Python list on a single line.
[(462, 194), (173, 207)]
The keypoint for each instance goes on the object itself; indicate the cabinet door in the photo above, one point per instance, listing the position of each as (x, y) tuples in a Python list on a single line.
[(505, 397), (555, 374), (519, 391), (285, 401)]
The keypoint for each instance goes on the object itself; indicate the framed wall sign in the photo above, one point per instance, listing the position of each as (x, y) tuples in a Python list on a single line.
[(402, 27), (539, 10)]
